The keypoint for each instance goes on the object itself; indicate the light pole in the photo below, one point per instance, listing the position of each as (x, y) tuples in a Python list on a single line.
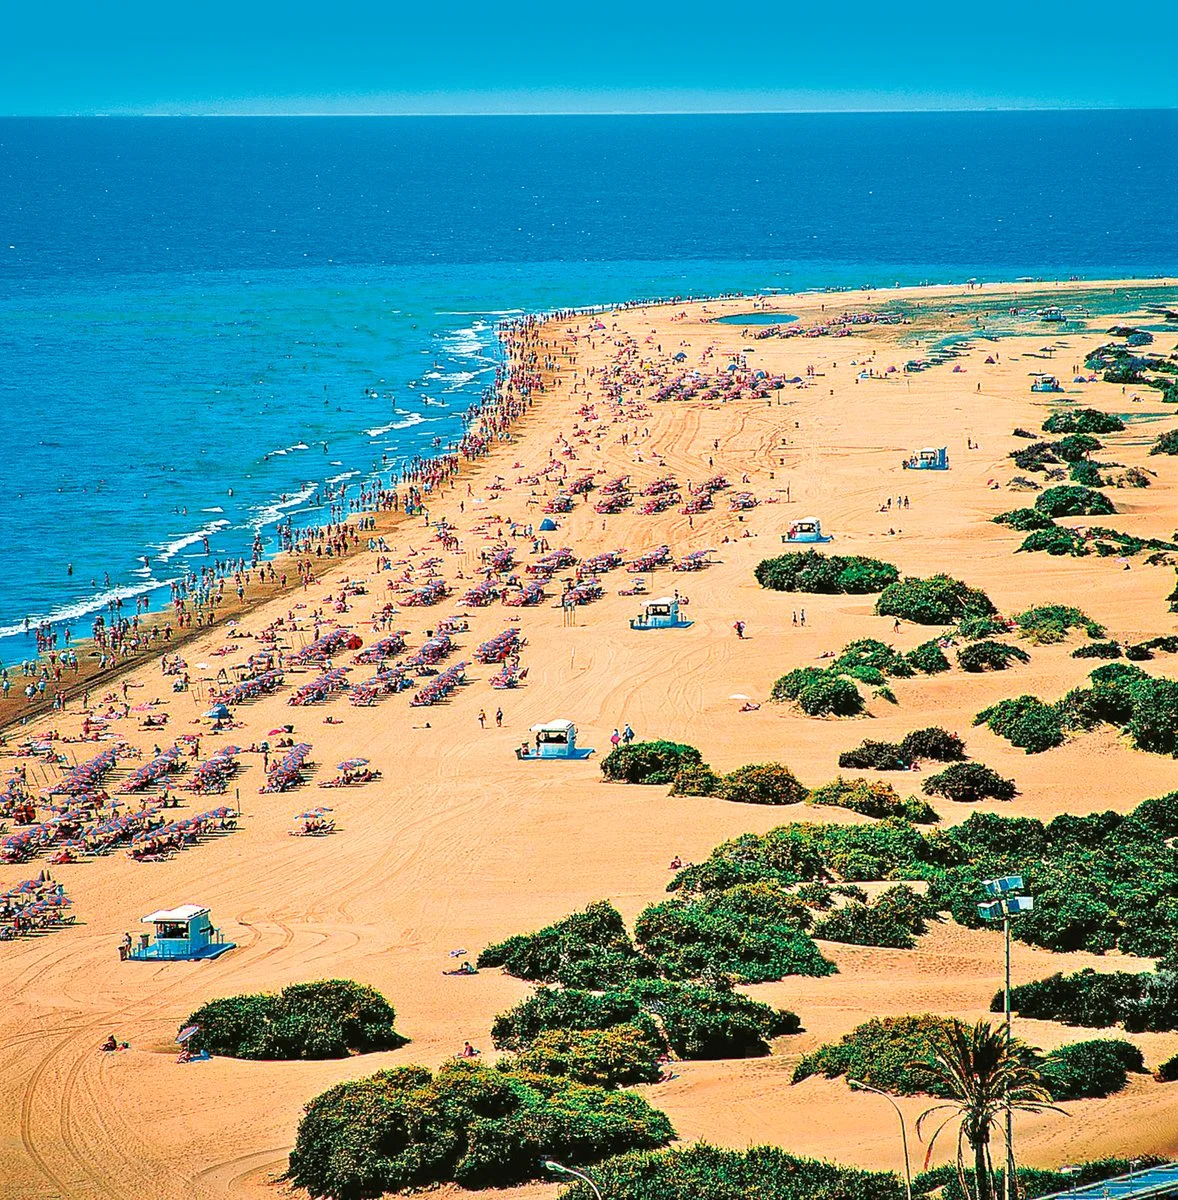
[(556, 1168), (857, 1085), (1003, 906)]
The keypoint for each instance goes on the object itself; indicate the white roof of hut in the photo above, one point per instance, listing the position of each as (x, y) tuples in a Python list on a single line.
[(185, 912), (553, 727)]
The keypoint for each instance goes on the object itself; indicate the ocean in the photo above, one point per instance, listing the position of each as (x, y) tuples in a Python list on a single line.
[(207, 324)]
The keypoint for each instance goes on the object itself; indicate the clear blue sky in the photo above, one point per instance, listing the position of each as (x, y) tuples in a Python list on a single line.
[(267, 56)]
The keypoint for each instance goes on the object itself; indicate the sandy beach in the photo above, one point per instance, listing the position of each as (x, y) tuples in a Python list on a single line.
[(459, 844)]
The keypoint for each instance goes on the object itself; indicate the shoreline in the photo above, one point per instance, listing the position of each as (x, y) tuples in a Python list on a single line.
[(20, 715)]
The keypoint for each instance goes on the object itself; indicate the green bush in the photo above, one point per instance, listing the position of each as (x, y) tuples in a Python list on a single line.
[(1165, 443), (938, 600), (1087, 474), (649, 762), (873, 800), (703, 1172), (977, 625), (1083, 1070), (933, 742), (813, 571), (969, 782), (830, 696), (880, 1053), (586, 949), (896, 918), (1098, 650), (1077, 446), (1167, 1072), (763, 783), (1024, 519), (331, 1018), (613, 1057), (874, 756), (1047, 623), (1056, 541), (867, 652), (990, 656), (928, 658), (1072, 500), (1083, 420), (469, 1124), (1145, 1001), (751, 932), (697, 780), (1025, 721)]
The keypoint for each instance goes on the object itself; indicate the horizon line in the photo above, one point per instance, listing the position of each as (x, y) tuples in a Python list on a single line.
[(670, 112)]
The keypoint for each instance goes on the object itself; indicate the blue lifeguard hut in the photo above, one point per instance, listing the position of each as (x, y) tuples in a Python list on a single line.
[(183, 933), (1046, 383), (660, 614), (553, 739), (931, 458), (806, 529)]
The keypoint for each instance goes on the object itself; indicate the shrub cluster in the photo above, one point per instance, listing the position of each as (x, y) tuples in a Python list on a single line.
[(1098, 650), (701, 1171), (757, 783), (1165, 443), (1024, 519), (1145, 1001), (819, 692), (873, 799), (1073, 500), (896, 918), (648, 762), (1084, 1070), (1082, 420), (1046, 623), (1144, 706), (1100, 882), (330, 1018), (813, 571), (969, 782), (753, 933), (469, 1124), (587, 949), (938, 600), (888, 1053), (989, 655), (692, 1020), (614, 1057)]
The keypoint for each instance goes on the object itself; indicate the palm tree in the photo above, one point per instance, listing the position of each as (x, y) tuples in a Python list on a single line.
[(979, 1070)]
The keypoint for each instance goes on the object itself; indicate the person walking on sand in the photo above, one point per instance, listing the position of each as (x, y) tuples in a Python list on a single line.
[(498, 718), (482, 719), (739, 627), (627, 734), (615, 739), (803, 618)]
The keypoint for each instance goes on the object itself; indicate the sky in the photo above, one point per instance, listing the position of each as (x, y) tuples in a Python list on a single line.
[(65, 57)]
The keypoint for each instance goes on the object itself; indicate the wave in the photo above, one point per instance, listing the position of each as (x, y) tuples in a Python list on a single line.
[(340, 478), (215, 508), (412, 419), (296, 446), (268, 514), (91, 604), (168, 550)]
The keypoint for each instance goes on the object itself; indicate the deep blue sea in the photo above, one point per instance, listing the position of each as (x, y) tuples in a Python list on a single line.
[(196, 307)]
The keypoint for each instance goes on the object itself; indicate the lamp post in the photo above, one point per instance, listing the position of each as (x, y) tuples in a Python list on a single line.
[(548, 1164), (1004, 905), (859, 1086)]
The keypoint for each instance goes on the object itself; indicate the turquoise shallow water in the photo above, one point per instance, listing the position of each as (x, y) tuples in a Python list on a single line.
[(277, 307)]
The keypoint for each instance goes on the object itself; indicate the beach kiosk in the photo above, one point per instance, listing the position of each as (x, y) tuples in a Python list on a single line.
[(183, 933), (553, 739), (931, 458), (660, 614), (1046, 383), (806, 529)]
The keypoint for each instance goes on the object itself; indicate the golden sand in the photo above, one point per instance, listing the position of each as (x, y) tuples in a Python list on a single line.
[(460, 845)]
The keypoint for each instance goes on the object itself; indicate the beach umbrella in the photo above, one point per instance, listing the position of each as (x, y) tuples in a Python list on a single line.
[(350, 763), (218, 712), (187, 1032)]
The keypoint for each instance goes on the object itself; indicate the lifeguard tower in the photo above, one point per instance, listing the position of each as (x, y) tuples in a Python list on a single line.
[(553, 739), (183, 933), (931, 458), (806, 529), (1046, 383), (660, 614)]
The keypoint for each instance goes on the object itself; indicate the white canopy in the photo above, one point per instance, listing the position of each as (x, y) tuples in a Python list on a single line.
[(807, 521), (184, 913), (554, 727), (668, 600)]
